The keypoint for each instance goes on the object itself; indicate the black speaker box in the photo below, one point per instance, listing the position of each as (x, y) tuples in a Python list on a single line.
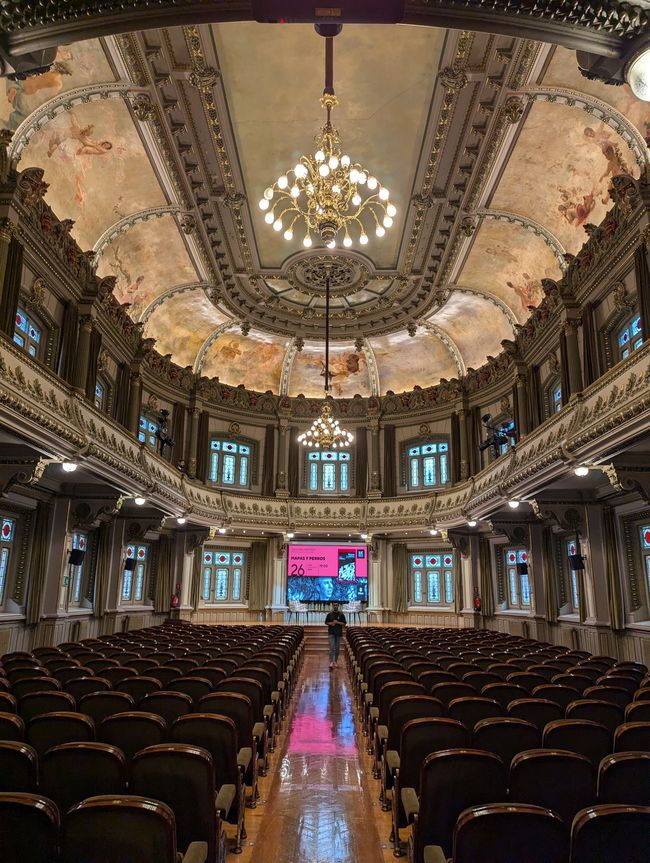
[(522, 569), (77, 556), (576, 562), (129, 563)]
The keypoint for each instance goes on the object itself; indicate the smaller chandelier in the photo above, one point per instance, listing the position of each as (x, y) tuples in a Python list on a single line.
[(326, 193), (326, 431)]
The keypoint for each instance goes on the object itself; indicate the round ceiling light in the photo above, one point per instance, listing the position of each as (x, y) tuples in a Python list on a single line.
[(513, 504), (69, 466), (581, 470), (637, 75), (140, 501), (472, 522)]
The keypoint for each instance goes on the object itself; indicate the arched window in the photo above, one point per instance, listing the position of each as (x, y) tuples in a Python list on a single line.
[(135, 573), (432, 577), (223, 575), (103, 394), (629, 336), (425, 464), (516, 561), (553, 397), (232, 462), (29, 334), (147, 430), (327, 471)]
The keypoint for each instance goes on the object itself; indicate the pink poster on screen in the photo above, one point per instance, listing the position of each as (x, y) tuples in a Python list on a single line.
[(345, 563)]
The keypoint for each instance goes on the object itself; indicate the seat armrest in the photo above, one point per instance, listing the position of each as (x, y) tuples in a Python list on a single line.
[(225, 799), (392, 760), (410, 803), (258, 730), (197, 852), (268, 710), (244, 757), (374, 712), (434, 854), (369, 697), (280, 685), (275, 695), (382, 732)]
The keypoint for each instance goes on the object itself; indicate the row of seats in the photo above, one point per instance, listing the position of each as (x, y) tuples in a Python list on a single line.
[(185, 755), (440, 732)]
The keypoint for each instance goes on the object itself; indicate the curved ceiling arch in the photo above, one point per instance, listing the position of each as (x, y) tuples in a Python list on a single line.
[(122, 225), (450, 344), (174, 291), (287, 364), (531, 225), (492, 298), (207, 344), (49, 110)]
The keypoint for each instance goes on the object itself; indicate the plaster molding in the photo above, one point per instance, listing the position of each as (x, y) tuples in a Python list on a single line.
[(490, 297), (45, 113), (173, 292), (373, 370), (530, 225), (123, 225), (287, 365), (449, 343), (211, 339)]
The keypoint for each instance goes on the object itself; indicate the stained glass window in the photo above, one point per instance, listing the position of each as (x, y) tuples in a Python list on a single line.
[(433, 573), (134, 580), (100, 395), (644, 533), (7, 531), (630, 337), (571, 550), (147, 432), (516, 560), (328, 471), (223, 572), (427, 465), (230, 463), (27, 333), (79, 541)]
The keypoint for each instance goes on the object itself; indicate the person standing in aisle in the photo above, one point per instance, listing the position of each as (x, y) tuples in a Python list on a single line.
[(335, 622)]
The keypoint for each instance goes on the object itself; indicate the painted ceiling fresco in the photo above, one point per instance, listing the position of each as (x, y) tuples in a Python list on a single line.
[(106, 167)]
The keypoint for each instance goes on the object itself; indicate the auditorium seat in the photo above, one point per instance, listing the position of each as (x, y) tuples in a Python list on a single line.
[(538, 711), (12, 727), (52, 729), (450, 782), (71, 772), (86, 686), (35, 684), (610, 832), (609, 693), (133, 829), (170, 705), (447, 692), (583, 736), (604, 712), (556, 779), (132, 731), (505, 737), (625, 778), (218, 735), (637, 711), (138, 686), (562, 695), (29, 828), (504, 693), (8, 703), (239, 709), (632, 737), (38, 703), (470, 710), (528, 680), (182, 776), (18, 767), (99, 705)]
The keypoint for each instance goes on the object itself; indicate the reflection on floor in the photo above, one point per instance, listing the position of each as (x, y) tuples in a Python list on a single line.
[(322, 801)]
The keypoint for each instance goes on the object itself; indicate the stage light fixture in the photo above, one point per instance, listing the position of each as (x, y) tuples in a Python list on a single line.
[(364, 536), (581, 470)]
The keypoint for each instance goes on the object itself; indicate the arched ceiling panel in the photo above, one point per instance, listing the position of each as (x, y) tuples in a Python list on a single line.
[(384, 79), (348, 372), (563, 71), (96, 167), (509, 261), (182, 323), (254, 360), (560, 171), (75, 66), (147, 260), (475, 324), (404, 361)]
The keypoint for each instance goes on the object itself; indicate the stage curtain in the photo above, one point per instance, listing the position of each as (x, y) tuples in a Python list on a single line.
[(38, 564), (195, 587), (454, 445), (485, 578), (474, 433), (93, 362), (564, 371), (165, 576), (257, 588), (400, 577), (390, 484), (643, 288), (203, 447), (68, 342), (590, 370), (293, 464), (535, 412), (612, 571), (102, 569), (11, 287), (178, 433), (550, 578), (268, 462), (361, 458), (121, 393)]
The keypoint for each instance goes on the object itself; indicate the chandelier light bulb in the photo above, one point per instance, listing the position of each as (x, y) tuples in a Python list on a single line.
[(384, 194), (324, 170), (379, 231), (373, 182), (345, 161), (331, 244), (354, 176), (307, 241), (295, 191), (288, 234), (268, 193), (269, 218), (356, 199), (336, 189), (362, 177), (300, 171), (363, 239), (347, 241), (319, 156), (264, 204), (387, 221), (283, 182), (277, 225), (333, 162), (391, 210)]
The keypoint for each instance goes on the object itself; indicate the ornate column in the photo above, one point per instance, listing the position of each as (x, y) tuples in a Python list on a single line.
[(570, 328), (192, 461), (375, 487), (462, 434), (522, 404), (135, 396), (83, 353), (281, 476)]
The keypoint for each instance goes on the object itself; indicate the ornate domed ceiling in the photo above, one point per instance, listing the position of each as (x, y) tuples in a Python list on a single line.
[(158, 145)]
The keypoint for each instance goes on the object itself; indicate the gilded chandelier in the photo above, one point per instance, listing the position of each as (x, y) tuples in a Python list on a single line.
[(326, 194), (325, 431)]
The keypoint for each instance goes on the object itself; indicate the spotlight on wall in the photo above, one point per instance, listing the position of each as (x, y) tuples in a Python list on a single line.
[(581, 470), (513, 504), (472, 522), (140, 500), (364, 536), (434, 531), (69, 466), (221, 530), (181, 519), (637, 75), (290, 535)]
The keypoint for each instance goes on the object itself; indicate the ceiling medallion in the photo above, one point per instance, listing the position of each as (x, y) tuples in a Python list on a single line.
[(326, 193), (347, 274)]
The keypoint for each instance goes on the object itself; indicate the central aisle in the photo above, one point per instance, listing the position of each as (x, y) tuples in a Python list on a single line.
[(319, 808)]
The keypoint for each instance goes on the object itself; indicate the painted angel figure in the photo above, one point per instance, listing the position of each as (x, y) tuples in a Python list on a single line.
[(73, 143)]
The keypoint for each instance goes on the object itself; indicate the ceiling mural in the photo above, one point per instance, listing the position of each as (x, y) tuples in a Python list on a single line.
[(168, 138), (182, 323), (348, 372), (254, 360), (146, 260)]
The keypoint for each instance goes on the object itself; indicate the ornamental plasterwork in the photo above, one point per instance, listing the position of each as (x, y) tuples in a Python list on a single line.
[(450, 344), (211, 339), (492, 298), (123, 225), (530, 225), (347, 273), (174, 292)]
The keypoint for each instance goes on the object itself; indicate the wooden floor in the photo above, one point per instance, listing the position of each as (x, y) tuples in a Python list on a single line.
[(319, 803)]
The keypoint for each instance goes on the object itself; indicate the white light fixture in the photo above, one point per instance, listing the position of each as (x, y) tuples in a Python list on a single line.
[(140, 501), (325, 431), (637, 75), (364, 536), (290, 535), (325, 193), (581, 470), (181, 519), (513, 504), (471, 522), (434, 531), (69, 466), (222, 530)]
